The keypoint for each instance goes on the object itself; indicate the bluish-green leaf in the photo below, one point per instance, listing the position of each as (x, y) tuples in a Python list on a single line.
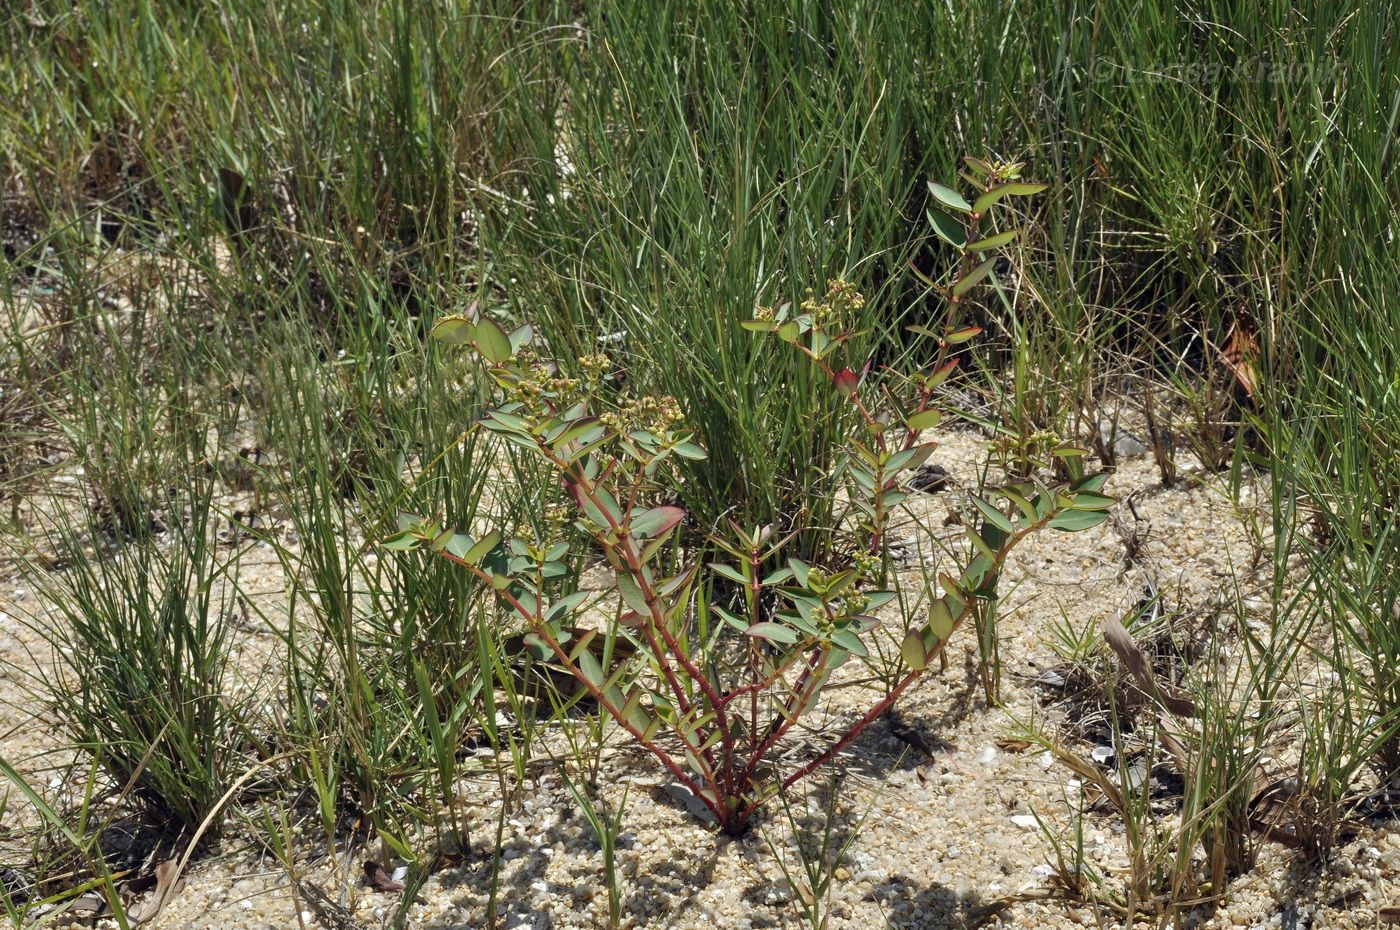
[(996, 241), (949, 197), (492, 341), (774, 632), (940, 619), (1012, 189), (847, 639), (455, 330), (913, 651), (1092, 500), (924, 419), (995, 516), (632, 594), (476, 553), (1072, 521), (966, 282), (948, 228), (656, 520)]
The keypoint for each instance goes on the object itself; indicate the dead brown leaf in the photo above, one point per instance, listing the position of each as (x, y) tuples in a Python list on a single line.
[(379, 879), (1239, 355), (1121, 641)]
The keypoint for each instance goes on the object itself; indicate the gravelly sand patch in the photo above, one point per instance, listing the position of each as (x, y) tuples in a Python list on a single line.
[(945, 821)]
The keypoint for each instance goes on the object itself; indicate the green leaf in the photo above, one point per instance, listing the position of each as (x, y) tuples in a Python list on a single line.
[(778, 576), (588, 665), (654, 545), (847, 639), (995, 242), (521, 336), (978, 165), (1072, 521), (913, 651), (802, 623), (476, 553), (948, 228), (1013, 189), (403, 540), (455, 330), (912, 457), (673, 584), (1091, 483), (758, 326), (600, 507), (492, 341), (1026, 507), (729, 618), (632, 593), (774, 632), (729, 571), (689, 450), (958, 336), (634, 713), (501, 421), (993, 515), (938, 377), (980, 544), (877, 599), (924, 419), (655, 521), (554, 570), (584, 430), (940, 620), (1092, 500), (564, 605), (528, 604), (977, 577), (800, 570), (949, 197), (965, 283), (459, 545)]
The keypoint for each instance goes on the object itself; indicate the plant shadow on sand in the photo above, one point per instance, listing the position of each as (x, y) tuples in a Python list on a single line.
[(526, 892)]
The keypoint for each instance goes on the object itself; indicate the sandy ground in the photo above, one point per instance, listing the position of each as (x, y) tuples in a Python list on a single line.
[(943, 807)]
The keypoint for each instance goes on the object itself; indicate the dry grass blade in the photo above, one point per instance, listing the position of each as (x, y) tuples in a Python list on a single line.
[(168, 885), (1123, 645), (327, 911)]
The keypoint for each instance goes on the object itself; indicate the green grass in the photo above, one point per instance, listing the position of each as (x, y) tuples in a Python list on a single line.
[(141, 676)]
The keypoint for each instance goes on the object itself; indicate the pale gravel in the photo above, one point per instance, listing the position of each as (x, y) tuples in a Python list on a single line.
[(938, 837)]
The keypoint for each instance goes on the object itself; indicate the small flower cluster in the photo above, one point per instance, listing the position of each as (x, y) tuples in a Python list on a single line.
[(537, 380), (660, 415), (1036, 449), (556, 516), (865, 563), (841, 302), (595, 368)]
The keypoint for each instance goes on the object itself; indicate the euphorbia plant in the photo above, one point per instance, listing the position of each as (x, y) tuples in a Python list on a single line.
[(716, 709)]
